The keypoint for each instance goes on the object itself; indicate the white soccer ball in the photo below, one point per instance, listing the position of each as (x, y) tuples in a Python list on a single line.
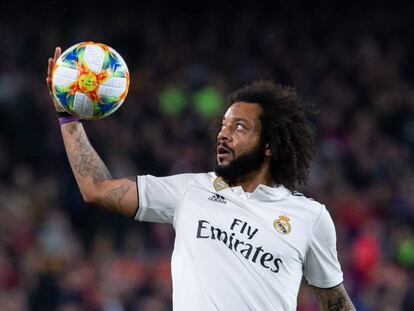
[(90, 80)]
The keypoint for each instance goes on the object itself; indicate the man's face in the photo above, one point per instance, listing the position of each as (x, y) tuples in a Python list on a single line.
[(240, 150)]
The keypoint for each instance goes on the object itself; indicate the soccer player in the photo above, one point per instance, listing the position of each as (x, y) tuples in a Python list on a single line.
[(244, 237)]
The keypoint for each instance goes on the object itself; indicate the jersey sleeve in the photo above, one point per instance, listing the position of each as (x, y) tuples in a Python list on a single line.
[(159, 197), (321, 266)]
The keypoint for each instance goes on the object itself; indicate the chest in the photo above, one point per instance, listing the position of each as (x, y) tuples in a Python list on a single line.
[(260, 231)]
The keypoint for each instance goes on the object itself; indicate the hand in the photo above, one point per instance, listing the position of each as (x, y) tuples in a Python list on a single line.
[(51, 64)]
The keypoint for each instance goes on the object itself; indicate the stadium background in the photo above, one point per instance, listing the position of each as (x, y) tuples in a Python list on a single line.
[(353, 61)]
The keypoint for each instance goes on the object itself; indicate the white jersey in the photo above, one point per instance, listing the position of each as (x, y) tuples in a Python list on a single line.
[(238, 251)]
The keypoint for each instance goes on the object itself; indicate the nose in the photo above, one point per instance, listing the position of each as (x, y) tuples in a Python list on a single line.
[(224, 134)]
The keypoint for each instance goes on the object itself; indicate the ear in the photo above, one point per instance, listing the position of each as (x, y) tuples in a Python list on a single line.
[(268, 152)]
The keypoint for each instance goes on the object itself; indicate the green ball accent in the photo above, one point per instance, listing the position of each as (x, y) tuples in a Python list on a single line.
[(172, 100), (406, 253), (208, 102)]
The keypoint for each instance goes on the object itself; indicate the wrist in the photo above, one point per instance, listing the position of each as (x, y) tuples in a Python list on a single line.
[(66, 117)]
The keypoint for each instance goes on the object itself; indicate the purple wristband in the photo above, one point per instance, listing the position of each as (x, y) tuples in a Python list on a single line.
[(63, 120)]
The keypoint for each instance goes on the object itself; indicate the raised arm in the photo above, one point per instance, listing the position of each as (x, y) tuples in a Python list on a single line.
[(334, 299), (92, 176), (94, 180)]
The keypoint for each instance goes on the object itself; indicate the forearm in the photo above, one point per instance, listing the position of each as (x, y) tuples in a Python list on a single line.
[(87, 166), (334, 299), (94, 180)]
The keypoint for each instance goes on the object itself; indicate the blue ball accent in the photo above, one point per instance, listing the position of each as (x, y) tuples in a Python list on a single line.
[(62, 98)]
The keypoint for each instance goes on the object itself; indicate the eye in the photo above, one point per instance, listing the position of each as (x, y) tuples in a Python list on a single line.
[(240, 126)]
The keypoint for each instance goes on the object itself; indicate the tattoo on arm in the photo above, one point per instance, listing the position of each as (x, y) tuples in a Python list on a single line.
[(334, 299), (338, 305), (114, 197), (86, 160), (72, 127)]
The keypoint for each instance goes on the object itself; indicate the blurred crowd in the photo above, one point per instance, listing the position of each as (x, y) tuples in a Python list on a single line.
[(350, 63)]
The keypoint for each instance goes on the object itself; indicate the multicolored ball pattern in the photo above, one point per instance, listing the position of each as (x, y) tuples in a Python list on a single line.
[(90, 80)]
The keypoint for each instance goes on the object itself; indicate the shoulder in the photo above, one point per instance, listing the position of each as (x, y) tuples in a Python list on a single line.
[(185, 177), (318, 216), (301, 199), (308, 207), (178, 182), (205, 179)]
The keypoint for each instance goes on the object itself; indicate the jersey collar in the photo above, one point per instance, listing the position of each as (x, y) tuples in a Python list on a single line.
[(262, 192)]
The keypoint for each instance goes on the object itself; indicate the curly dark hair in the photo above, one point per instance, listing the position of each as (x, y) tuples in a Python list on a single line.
[(285, 128)]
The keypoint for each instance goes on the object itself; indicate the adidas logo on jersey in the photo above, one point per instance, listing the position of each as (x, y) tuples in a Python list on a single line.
[(218, 198)]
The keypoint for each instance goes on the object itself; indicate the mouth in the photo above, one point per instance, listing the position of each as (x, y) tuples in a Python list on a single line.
[(222, 153)]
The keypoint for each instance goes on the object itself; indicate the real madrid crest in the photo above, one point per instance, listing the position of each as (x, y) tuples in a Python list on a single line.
[(282, 224), (220, 184)]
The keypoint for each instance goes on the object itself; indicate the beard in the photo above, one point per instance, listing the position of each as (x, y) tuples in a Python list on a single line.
[(243, 165)]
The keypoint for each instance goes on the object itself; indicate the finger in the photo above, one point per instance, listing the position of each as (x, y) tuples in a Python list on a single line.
[(48, 85), (50, 66), (58, 51)]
